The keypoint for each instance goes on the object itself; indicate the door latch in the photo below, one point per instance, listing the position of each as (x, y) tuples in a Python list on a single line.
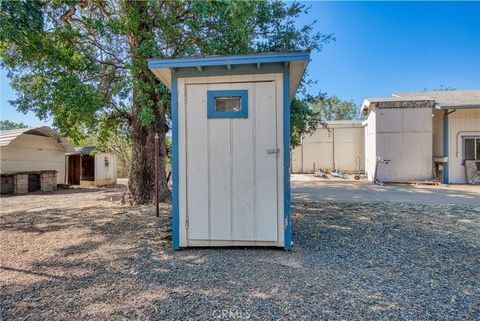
[(273, 151)]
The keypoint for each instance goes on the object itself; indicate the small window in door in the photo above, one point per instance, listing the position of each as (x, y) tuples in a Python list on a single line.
[(471, 148), (227, 104)]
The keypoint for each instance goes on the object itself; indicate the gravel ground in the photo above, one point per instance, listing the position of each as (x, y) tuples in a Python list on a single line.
[(78, 255)]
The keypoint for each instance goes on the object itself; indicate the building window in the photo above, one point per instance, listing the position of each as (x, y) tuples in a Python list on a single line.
[(471, 148), (227, 104)]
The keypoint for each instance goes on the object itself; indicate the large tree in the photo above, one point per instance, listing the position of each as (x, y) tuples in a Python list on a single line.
[(84, 63)]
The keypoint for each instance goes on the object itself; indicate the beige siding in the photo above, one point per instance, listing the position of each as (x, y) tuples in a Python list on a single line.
[(404, 138), (105, 175), (370, 145), (317, 150), (31, 153), (460, 123)]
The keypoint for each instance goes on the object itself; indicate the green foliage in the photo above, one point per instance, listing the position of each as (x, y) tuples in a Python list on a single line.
[(78, 62), (333, 108), (303, 120), (7, 124)]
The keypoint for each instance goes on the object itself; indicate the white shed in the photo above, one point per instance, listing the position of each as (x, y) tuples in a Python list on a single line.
[(230, 147), (398, 138), (87, 167), (335, 145), (31, 150)]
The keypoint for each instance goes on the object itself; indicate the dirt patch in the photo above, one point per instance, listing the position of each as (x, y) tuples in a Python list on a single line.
[(77, 254)]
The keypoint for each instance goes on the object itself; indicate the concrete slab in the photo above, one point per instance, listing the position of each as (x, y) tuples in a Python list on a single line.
[(310, 188)]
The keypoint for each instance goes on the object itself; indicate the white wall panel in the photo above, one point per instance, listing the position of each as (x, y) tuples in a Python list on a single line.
[(317, 150), (105, 175), (407, 144), (197, 164), (34, 153)]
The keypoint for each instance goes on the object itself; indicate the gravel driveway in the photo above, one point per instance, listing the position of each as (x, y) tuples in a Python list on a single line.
[(79, 256)]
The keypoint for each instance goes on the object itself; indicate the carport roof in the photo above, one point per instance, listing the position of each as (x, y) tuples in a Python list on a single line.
[(7, 136)]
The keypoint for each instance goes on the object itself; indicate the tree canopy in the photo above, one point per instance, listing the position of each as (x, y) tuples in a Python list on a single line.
[(83, 63)]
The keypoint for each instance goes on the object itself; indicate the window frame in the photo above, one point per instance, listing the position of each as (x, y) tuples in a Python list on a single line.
[(475, 139), (212, 94)]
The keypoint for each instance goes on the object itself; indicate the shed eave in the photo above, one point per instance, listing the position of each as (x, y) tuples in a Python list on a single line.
[(443, 107), (297, 63)]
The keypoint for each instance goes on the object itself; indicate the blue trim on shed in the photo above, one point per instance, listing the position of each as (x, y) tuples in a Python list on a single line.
[(175, 180), (272, 65), (228, 60), (286, 159), (242, 113)]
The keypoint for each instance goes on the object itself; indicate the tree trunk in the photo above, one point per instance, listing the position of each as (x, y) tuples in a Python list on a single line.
[(145, 96), (142, 170)]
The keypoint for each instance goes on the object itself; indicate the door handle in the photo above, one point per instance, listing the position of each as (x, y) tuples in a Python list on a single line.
[(273, 151)]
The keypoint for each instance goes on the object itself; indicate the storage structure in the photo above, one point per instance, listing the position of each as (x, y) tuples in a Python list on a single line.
[(456, 133), (422, 135), (87, 167), (30, 156), (337, 145), (230, 147)]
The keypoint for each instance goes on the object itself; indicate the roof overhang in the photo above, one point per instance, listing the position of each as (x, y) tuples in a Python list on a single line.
[(396, 102), (296, 61), (7, 136), (445, 107)]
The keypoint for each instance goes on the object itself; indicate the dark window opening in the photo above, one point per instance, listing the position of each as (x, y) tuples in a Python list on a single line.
[(74, 169), (471, 148), (88, 168), (33, 182), (224, 104)]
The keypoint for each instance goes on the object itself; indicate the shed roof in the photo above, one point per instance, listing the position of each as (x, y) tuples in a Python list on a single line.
[(297, 62), (83, 150), (7, 136), (450, 99)]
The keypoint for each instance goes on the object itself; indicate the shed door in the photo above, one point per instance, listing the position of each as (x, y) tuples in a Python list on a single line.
[(231, 165)]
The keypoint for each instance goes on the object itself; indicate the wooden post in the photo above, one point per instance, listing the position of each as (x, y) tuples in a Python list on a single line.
[(157, 159)]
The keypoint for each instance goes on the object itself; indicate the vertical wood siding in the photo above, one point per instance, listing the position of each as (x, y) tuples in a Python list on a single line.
[(228, 185), (461, 123)]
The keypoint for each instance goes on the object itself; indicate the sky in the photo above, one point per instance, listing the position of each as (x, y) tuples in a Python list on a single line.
[(380, 48)]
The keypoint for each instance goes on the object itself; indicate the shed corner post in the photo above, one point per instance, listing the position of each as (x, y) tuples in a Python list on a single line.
[(446, 112), (175, 180), (286, 158)]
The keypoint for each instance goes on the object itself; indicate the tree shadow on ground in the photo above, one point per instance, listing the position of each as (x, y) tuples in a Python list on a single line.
[(349, 261)]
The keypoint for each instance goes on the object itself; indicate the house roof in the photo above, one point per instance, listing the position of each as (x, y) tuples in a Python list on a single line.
[(448, 98), (197, 66), (7, 136), (451, 99), (84, 150)]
